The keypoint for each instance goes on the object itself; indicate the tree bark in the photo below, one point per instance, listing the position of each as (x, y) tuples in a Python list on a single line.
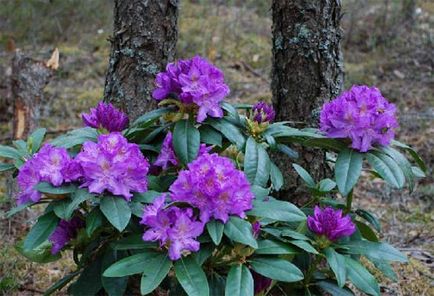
[(307, 70), (144, 40)]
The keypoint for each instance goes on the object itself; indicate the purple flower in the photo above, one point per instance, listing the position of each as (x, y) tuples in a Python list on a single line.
[(113, 164), (361, 114), (330, 223), (51, 165), (167, 155), (193, 81), (173, 227), (64, 232), (261, 283), (263, 112), (256, 227), (215, 187), (106, 116)]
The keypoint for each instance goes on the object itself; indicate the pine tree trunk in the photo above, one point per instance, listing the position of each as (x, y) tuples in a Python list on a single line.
[(307, 70), (144, 40)]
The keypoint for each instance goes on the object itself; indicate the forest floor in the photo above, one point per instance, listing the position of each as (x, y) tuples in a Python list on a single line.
[(380, 48)]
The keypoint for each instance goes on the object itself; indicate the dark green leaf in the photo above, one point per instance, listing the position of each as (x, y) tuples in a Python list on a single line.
[(230, 131), (76, 137), (18, 209), (216, 285), (387, 168), (41, 231), (90, 280), (60, 208), (155, 272), (376, 250), (146, 197), (61, 283), (113, 286), (94, 220), (40, 254), (276, 269), (151, 116), (210, 136), (403, 163), (326, 185), (413, 154), (259, 192), (9, 152), (239, 281), (348, 169), (366, 231), (307, 178), (370, 218), (204, 253), (215, 230), (276, 177), (385, 268), (116, 210), (361, 278), (77, 198), (191, 277), (288, 151), (6, 167), (333, 289), (240, 230), (256, 163), (132, 242), (136, 208), (336, 262), (294, 234), (271, 247), (36, 139), (327, 143), (304, 245), (186, 141), (45, 187), (277, 210), (130, 265)]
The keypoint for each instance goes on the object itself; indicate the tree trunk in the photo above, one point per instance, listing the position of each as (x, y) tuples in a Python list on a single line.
[(307, 70), (144, 40)]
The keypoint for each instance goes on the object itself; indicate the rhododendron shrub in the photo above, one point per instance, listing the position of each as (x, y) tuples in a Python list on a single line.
[(180, 200)]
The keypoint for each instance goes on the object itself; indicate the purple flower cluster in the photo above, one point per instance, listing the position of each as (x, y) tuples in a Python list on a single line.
[(261, 283), (330, 223), (193, 81), (167, 155), (113, 164), (361, 114), (106, 116), (50, 164), (263, 112), (173, 227), (214, 186), (64, 232)]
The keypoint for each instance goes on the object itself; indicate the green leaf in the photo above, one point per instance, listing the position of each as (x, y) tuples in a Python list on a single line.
[(151, 116), (155, 272), (76, 137), (137, 208), (191, 277), (294, 234), (40, 254), (90, 280), (385, 268), (276, 177), (215, 230), (259, 192), (326, 185), (361, 278), (210, 136), (276, 269), (9, 152), (332, 289), (146, 197), (186, 141), (376, 250), (277, 210), (132, 242), (370, 218), (116, 210), (6, 167), (271, 247), (366, 231), (288, 151), (217, 284), (77, 198), (413, 154), (240, 230), (60, 208), (348, 169), (387, 168), (113, 286), (304, 245), (326, 143), (36, 139), (230, 131), (239, 281), (256, 163), (204, 253), (130, 265), (336, 262), (61, 283), (41, 231), (18, 209), (94, 220), (307, 178), (46, 187)]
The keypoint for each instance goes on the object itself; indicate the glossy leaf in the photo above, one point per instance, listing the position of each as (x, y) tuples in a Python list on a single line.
[(276, 269), (336, 262), (387, 168), (46, 187), (36, 139), (348, 169), (271, 247), (186, 141), (210, 136), (366, 231), (40, 232), (307, 178), (376, 250), (361, 278), (116, 210), (370, 218), (230, 131), (276, 177), (239, 281), (215, 230), (130, 265), (155, 272), (191, 277), (257, 164), (94, 220), (333, 289), (277, 210), (240, 230), (9, 152), (76, 137)]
